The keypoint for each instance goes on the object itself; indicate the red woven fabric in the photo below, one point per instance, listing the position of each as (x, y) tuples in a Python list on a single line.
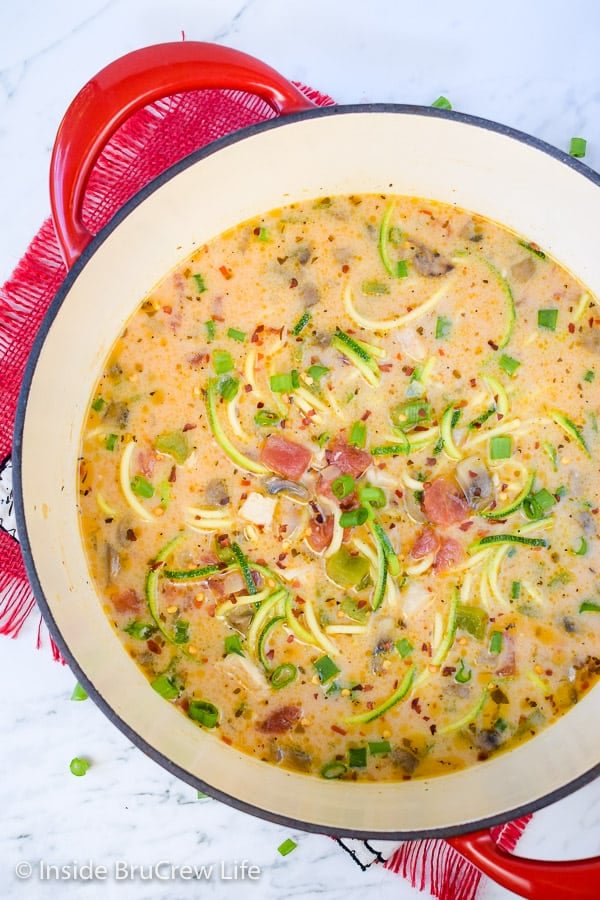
[(149, 142)]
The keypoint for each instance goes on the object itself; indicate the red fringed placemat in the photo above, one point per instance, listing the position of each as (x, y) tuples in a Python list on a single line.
[(149, 142)]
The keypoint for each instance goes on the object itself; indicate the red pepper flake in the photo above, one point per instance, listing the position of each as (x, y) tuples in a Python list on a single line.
[(226, 740), (293, 282), (367, 687), (415, 704), (189, 426), (448, 670), (399, 493), (226, 272), (345, 269), (280, 565), (211, 610), (431, 461), (247, 388), (493, 345), (473, 382), (433, 728), (385, 367), (153, 647), (131, 535), (464, 526), (339, 730), (290, 639), (408, 370), (571, 328), (167, 309)]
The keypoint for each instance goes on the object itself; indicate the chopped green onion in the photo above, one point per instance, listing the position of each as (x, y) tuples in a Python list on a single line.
[(284, 382), (233, 644), (182, 632), (237, 335), (508, 364), (326, 668), (463, 673), (578, 147), (353, 517), (262, 234), (288, 846), (301, 323), (358, 435), (589, 376), (141, 487), (375, 287), (589, 606), (496, 642), (98, 404), (283, 675), (343, 486), (501, 447), (140, 630), (316, 372), (377, 748), (533, 248), (267, 417), (79, 766), (357, 757), (404, 647), (547, 318), (111, 441), (79, 693), (535, 505), (323, 439), (200, 283), (228, 387), (375, 496), (166, 687), (442, 103), (401, 269), (222, 361), (443, 327), (515, 590), (334, 769), (211, 330), (175, 444), (203, 712), (583, 547)]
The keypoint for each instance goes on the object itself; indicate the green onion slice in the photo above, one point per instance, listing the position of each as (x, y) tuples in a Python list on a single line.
[(204, 713), (283, 675)]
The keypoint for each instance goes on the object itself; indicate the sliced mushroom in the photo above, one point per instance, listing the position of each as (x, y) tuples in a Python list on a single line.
[(475, 481), (291, 489), (216, 492), (240, 618), (522, 271), (112, 559), (310, 294), (430, 263)]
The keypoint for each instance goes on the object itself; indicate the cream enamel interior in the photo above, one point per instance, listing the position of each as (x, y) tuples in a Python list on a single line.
[(428, 156)]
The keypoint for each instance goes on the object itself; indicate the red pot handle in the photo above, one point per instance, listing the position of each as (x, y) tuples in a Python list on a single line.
[(125, 86), (533, 879)]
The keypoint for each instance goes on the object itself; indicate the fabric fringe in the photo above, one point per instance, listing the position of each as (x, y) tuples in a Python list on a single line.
[(436, 867)]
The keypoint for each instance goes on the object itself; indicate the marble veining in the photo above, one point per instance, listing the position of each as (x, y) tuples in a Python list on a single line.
[(533, 66)]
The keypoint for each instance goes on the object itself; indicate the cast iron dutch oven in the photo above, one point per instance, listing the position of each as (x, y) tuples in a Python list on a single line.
[(305, 152)]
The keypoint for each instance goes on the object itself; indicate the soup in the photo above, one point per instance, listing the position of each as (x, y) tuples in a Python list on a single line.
[(339, 488)]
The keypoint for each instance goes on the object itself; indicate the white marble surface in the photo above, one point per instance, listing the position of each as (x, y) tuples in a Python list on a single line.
[(531, 65)]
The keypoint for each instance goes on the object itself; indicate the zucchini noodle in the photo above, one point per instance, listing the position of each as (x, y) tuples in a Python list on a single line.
[(421, 566), (233, 414), (345, 629), (319, 635), (584, 300), (397, 321), (484, 436), (315, 402), (124, 480), (499, 395)]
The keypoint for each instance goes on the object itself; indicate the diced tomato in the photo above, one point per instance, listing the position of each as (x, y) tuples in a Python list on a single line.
[(448, 556), (350, 460), (320, 533), (285, 457), (127, 601), (280, 720), (443, 502), (428, 541)]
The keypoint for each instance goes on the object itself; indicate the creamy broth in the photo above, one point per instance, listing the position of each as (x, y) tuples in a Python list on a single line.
[(339, 488)]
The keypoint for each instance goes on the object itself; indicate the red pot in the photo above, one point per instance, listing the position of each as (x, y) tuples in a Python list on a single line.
[(505, 175)]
